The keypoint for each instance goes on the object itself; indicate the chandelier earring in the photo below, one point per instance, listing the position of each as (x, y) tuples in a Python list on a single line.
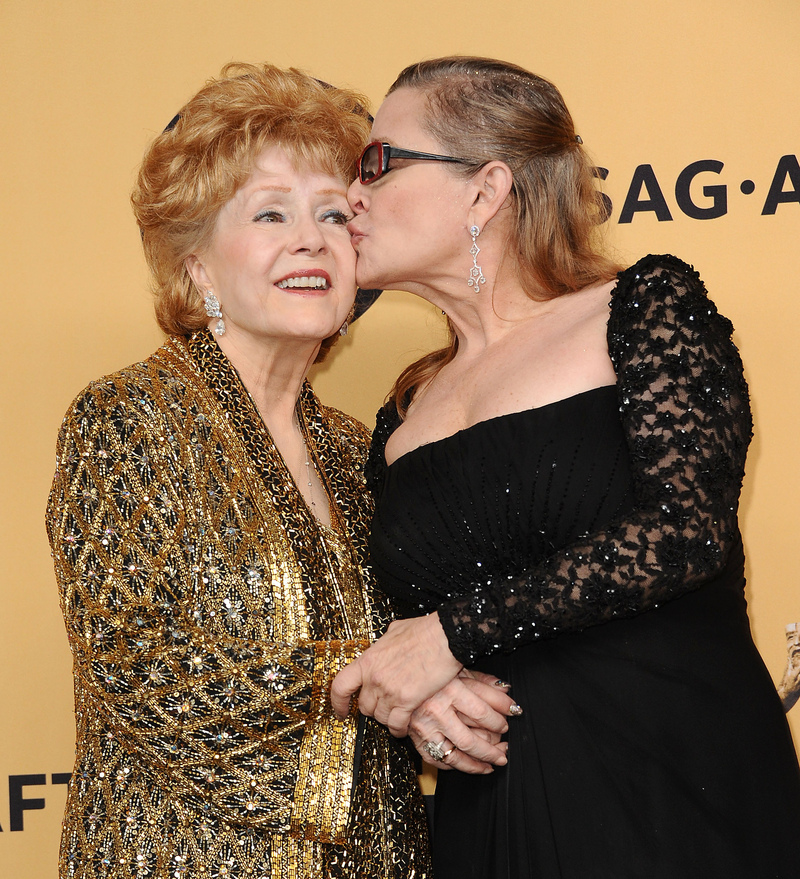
[(213, 309), (476, 273)]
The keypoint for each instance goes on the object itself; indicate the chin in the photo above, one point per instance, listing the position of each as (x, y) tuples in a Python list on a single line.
[(371, 281), (366, 278)]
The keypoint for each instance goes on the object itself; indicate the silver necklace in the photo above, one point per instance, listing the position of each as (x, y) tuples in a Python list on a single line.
[(308, 470), (310, 486)]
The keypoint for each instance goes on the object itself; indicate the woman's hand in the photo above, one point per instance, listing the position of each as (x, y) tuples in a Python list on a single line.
[(394, 676), (466, 719)]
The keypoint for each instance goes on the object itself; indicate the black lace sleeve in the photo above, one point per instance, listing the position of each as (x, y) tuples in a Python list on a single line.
[(685, 411)]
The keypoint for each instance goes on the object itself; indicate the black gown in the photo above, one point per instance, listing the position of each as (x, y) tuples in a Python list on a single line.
[(588, 553)]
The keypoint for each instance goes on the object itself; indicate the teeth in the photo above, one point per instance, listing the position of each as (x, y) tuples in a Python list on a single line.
[(306, 281)]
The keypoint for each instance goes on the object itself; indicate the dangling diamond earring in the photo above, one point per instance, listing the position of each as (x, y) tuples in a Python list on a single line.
[(476, 274), (213, 309), (347, 321)]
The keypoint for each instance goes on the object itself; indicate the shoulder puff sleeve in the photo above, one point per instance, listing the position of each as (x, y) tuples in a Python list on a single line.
[(194, 689), (685, 412)]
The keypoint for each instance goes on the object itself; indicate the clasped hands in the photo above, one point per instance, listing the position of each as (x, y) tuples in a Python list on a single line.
[(409, 681)]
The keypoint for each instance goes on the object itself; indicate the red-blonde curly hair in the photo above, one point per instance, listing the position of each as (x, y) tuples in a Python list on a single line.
[(194, 167)]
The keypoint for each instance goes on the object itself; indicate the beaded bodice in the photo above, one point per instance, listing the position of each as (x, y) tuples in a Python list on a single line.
[(597, 507)]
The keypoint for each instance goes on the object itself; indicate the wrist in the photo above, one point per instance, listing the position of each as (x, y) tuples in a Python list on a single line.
[(438, 635)]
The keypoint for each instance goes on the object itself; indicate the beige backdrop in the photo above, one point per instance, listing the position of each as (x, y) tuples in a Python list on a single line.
[(85, 85)]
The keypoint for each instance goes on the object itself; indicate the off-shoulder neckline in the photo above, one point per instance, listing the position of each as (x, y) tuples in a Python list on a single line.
[(533, 410)]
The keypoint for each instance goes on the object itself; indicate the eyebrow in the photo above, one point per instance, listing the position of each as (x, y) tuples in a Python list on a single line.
[(288, 189)]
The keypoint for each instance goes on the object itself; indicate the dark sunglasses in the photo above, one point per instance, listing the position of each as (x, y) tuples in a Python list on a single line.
[(374, 161)]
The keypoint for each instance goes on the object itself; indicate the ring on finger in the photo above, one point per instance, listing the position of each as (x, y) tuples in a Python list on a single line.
[(437, 750)]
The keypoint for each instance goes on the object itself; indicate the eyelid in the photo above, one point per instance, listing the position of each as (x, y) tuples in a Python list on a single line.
[(330, 212), (265, 212)]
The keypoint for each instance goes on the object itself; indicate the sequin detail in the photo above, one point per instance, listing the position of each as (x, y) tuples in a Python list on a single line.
[(207, 612)]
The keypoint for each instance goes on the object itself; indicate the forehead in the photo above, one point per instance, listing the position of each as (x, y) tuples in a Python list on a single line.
[(276, 173), (399, 120), (277, 163)]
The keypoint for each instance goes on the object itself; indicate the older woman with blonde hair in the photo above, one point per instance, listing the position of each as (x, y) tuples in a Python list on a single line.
[(208, 521)]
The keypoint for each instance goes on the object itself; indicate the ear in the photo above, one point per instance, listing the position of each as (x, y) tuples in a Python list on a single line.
[(492, 186), (197, 272)]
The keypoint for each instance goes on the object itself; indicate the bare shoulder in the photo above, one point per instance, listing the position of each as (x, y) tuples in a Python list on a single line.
[(557, 354), (594, 301), (559, 351)]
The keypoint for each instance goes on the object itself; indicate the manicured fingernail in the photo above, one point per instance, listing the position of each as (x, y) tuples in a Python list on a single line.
[(515, 710), (501, 684)]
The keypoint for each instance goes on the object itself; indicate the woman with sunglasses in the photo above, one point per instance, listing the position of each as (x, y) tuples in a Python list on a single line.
[(557, 496)]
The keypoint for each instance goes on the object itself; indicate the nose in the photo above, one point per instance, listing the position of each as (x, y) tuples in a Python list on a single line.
[(357, 197), (309, 236)]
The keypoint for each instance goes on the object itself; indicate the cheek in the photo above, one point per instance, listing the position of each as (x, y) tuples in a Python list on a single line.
[(393, 207), (403, 211), (345, 258), (427, 216), (342, 249), (232, 257)]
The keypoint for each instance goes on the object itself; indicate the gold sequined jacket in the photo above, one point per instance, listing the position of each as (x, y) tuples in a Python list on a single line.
[(208, 611)]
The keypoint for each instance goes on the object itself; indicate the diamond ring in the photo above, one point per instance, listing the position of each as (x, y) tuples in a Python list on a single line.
[(436, 750)]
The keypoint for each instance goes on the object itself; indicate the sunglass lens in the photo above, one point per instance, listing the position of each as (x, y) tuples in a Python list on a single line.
[(370, 163)]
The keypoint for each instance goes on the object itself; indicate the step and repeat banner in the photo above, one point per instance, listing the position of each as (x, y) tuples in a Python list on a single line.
[(690, 111)]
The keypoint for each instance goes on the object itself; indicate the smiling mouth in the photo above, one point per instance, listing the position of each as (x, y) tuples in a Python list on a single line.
[(311, 282)]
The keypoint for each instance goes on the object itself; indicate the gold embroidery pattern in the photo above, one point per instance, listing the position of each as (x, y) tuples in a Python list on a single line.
[(207, 612)]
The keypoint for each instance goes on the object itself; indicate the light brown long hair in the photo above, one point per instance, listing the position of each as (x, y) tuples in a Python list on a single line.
[(194, 167), (486, 110)]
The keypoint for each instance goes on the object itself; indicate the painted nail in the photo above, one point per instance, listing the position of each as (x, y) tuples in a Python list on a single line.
[(501, 684), (515, 710)]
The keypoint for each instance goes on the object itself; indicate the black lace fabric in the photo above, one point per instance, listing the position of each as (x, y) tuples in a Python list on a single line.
[(685, 412)]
